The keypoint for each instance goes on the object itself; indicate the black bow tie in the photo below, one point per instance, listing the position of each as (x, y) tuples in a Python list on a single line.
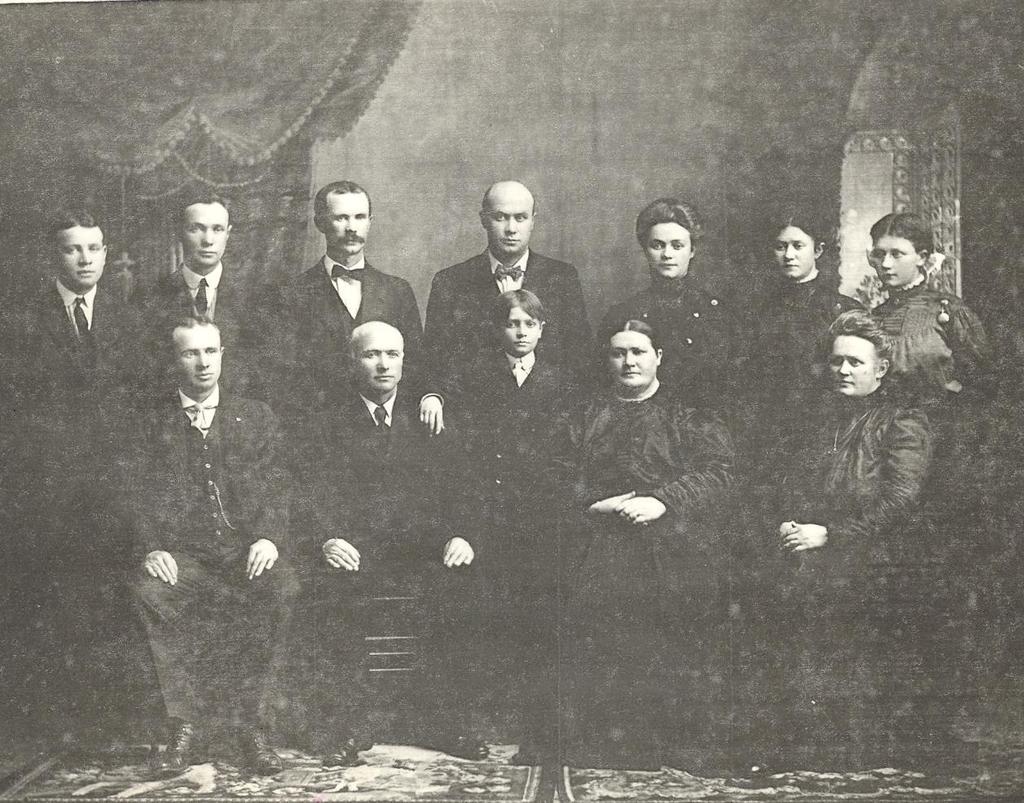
[(513, 273), (347, 273)]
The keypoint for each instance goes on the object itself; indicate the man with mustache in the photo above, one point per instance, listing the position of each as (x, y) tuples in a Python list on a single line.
[(322, 307)]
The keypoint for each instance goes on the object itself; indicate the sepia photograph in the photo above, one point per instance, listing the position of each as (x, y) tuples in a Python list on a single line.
[(512, 401)]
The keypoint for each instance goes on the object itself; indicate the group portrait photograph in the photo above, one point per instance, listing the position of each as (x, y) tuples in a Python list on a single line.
[(512, 401)]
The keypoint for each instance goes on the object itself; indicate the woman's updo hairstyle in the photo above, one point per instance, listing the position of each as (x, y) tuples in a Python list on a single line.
[(862, 324), (640, 327), (669, 210), (906, 225)]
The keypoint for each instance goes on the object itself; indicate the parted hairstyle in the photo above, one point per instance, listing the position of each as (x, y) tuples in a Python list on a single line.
[(69, 218), (669, 210), (640, 327), (810, 221), (862, 324), (340, 188), (203, 198), (523, 299), (907, 225)]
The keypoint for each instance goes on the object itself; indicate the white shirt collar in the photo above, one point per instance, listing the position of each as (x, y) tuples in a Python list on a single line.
[(213, 400), (192, 278), (528, 361), (330, 263), (388, 406), (519, 263), (810, 277), (69, 296)]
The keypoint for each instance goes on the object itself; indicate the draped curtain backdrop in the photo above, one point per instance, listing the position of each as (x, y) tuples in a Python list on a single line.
[(134, 107)]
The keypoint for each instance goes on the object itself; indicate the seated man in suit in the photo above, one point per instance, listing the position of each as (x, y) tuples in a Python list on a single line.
[(458, 323), (71, 367), (200, 287), (506, 403), (210, 507), (320, 308), (396, 585)]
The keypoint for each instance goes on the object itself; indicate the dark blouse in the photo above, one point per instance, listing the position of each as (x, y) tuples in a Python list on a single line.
[(789, 351), (696, 333), (861, 471), (941, 348), (656, 447)]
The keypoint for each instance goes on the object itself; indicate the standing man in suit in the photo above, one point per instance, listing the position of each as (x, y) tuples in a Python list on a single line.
[(323, 306), (72, 366), (394, 571), (458, 323), (199, 287), (210, 509)]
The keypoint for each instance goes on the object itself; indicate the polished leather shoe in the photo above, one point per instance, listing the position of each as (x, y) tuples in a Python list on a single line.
[(258, 754), (347, 755), (465, 747), (181, 739)]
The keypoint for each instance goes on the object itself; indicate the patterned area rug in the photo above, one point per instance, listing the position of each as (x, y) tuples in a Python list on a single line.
[(1003, 779), (391, 773)]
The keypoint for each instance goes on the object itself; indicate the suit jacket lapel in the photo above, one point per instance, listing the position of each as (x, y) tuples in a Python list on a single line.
[(371, 305), (55, 319)]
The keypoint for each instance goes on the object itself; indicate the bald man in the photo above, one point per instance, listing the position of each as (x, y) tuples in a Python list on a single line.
[(458, 324), (394, 575)]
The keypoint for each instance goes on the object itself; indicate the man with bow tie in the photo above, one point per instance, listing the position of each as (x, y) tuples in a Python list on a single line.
[(321, 308), (458, 324), (210, 512)]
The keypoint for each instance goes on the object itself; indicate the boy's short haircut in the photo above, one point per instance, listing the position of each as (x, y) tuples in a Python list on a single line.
[(523, 299)]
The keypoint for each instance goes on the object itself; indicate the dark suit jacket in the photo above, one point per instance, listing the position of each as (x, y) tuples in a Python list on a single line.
[(458, 323), (384, 492), (61, 429), (53, 367), (235, 316), (313, 357), (255, 495), (506, 435)]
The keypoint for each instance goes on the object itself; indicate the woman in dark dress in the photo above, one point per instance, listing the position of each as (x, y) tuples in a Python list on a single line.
[(945, 364), (645, 476), (863, 638), (940, 350), (794, 313), (694, 327)]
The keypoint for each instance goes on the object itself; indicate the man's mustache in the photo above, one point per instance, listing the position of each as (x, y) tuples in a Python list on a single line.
[(353, 238)]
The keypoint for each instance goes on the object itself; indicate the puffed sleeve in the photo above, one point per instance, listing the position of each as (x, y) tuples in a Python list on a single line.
[(707, 454), (907, 447), (973, 357)]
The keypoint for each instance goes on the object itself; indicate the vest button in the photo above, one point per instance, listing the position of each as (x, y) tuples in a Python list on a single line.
[(207, 465), (689, 341), (216, 532)]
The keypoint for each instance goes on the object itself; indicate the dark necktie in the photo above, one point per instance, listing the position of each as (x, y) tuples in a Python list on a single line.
[(81, 322), (513, 273), (380, 415), (202, 302), (344, 273)]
